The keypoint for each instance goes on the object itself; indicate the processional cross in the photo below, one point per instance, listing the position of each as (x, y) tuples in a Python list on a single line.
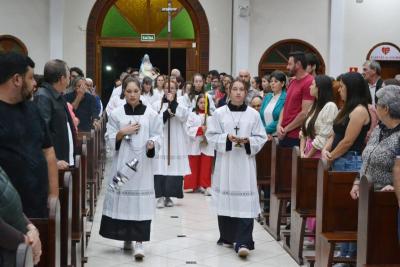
[(169, 10)]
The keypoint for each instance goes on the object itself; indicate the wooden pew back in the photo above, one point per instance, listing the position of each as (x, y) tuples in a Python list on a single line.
[(377, 241), (65, 196), (304, 182), (49, 229), (337, 210), (263, 159), (281, 168)]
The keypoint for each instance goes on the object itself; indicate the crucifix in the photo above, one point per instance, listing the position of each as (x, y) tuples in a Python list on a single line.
[(236, 129), (169, 10)]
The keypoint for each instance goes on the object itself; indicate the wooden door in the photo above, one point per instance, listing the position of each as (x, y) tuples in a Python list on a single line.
[(191, 63), (389, 69)]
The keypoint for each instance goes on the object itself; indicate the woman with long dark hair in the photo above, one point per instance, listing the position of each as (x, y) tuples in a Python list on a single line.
[(318, 125), (198, 88), (350, 128)]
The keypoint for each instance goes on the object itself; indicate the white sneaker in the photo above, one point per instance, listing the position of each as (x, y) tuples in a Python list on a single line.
[(127, 245), (201, 190), (208, 191), (160, 203), (139, 251), (243, 252), (168, 202)]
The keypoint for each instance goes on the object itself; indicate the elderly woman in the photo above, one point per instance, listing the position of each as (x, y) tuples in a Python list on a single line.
[(380, 153), (396, 181)]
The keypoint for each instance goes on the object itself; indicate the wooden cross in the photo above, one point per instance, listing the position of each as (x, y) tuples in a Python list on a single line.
[(236, 129), (169, 9)]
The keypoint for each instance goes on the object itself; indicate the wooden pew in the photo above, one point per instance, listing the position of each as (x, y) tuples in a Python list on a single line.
[(78, 224), (336, 214), (24, 257), (263, 160), (281, 172), (49, 229), (90, 178), (303, 202), (65, 196), (377, 241)]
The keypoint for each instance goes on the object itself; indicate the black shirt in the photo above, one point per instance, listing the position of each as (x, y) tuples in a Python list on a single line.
[(23, 135), (340, 132), (86, 111)]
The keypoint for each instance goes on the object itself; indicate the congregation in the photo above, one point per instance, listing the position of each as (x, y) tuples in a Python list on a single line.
[(167, 137)]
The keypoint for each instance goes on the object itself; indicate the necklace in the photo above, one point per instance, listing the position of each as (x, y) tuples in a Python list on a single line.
[(237, 128)]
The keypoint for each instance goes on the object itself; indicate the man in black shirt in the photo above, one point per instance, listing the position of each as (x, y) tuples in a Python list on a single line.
[(53, 108), (26, 151)]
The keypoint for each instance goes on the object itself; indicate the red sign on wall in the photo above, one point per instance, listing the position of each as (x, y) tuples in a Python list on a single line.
[(353, 69)]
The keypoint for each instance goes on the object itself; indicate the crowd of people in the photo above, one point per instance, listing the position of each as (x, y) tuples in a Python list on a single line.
[(201, 135)]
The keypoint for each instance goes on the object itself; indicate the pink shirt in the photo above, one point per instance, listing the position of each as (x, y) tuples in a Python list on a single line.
[(297, 91)]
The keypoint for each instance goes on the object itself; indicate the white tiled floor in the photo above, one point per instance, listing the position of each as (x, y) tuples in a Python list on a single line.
[(197, 222)]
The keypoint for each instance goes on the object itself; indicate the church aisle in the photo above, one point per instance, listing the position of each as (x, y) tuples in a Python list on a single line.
[(184, 235)]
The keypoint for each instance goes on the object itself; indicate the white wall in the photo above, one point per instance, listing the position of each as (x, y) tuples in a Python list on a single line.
[(218, 13), (28, 21), (367, 24), (76, 15), (275, 20)]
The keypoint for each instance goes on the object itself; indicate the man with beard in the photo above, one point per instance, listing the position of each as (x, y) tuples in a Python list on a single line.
[(26, 150), (298, 101)]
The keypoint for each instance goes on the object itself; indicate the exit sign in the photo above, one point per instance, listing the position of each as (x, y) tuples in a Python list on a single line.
[(147, 37)]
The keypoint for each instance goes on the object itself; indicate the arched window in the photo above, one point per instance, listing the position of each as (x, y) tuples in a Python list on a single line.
[(10, 43), (277, 55)]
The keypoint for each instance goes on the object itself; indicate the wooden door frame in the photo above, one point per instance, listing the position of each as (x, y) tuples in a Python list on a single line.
[(94, 40)]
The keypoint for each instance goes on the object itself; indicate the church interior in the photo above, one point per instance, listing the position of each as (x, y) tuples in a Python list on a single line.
[(308, 209)]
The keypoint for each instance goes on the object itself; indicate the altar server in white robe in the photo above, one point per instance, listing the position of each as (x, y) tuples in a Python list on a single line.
[(189, 100), (148, 93), (237, 133), (168, 178), (201, 153), (159, 87), (135, 133)]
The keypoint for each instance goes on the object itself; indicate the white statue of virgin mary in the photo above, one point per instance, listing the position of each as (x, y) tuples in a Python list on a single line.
[(146, 68)]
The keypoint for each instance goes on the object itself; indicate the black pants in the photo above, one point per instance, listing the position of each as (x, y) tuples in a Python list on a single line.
[(236, 230), (168, 186)]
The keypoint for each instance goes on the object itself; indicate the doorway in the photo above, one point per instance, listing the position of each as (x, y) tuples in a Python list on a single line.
[(110, 26), (116, 60)]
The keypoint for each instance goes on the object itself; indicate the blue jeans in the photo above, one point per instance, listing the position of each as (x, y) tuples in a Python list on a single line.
[(350, 161)]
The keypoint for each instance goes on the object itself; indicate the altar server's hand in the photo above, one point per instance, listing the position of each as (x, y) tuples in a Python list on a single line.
[(232, 138), (243, 140), (131, 129), (150, 145)]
